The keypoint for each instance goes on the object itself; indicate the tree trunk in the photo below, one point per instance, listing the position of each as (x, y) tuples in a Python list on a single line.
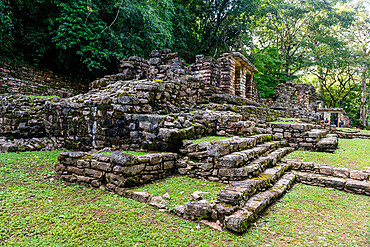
[(363, 96)]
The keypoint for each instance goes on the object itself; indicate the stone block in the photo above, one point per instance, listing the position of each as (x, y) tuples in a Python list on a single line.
[(198, 210), (83, 163), (129, 170), (326, 170), (155, 159), (75, 170), (167, 165), (340, 172), (93, 173), (240, 221), (84, 179), (358, 175), (123, 159), (140, 196), (101, 166)]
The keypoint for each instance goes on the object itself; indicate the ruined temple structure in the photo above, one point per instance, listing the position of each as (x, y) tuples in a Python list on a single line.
[(326, 112), (298, 97), (161, 104), (230, 74)]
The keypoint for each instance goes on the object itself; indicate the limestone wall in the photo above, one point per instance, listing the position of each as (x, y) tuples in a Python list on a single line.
[(307, 137), (116, 171), (21, 117)]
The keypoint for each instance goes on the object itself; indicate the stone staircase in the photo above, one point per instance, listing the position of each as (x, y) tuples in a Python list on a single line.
[(232, 159), (254, 195), (253, 168), (240, 204)]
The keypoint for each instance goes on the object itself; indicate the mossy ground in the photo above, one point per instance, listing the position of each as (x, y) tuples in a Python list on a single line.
[(41, 97), (352, 153), (180, 189), (211, 139), (36, 210)]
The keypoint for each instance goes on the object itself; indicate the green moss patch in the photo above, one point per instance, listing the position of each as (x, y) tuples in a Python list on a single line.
[(281, 122), (41, 97), (211, 139)]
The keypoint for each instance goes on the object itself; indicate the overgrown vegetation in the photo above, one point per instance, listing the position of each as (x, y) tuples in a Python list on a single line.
[(325, 43), (36, 210), (352, 153)]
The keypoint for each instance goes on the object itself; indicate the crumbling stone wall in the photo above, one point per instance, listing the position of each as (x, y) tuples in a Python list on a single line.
[(21, 117), (116, 171), (230, 74), (307, 137), (295, 96)]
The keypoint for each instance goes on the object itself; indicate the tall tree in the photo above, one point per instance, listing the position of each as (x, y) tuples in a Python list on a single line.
[(6, 28), (358, 36), (290, 26), (217, 26)]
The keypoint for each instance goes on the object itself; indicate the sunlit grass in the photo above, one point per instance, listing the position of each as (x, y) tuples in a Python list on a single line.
[(352, 153), (38, 211)]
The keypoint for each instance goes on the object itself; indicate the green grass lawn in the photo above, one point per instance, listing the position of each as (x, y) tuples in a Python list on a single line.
[(352, 153), (38, 211), (180, 189)]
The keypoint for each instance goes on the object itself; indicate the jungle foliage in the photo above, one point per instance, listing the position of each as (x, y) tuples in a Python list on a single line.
[(285, 39)]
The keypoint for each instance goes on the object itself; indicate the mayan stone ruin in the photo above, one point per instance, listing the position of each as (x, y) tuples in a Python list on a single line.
[(163, 105)]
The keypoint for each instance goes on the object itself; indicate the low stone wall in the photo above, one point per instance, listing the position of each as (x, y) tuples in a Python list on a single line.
[(328, 170), (29, 144), (305, 136), (352, 135), (114, 172), (349, 180)]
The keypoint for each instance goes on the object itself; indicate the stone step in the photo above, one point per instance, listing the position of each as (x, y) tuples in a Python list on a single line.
[(346, 184), (242, 219), (328, 144), (233, 197), (255, 167), (241, 158), (201, 151)]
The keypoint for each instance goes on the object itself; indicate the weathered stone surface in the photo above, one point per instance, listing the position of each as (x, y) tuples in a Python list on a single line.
[(140, 196), (240, 221), (198, 210), (158, 202), (198, 195)]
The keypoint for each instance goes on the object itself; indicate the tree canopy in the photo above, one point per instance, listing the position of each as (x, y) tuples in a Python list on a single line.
[(285, 39)]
